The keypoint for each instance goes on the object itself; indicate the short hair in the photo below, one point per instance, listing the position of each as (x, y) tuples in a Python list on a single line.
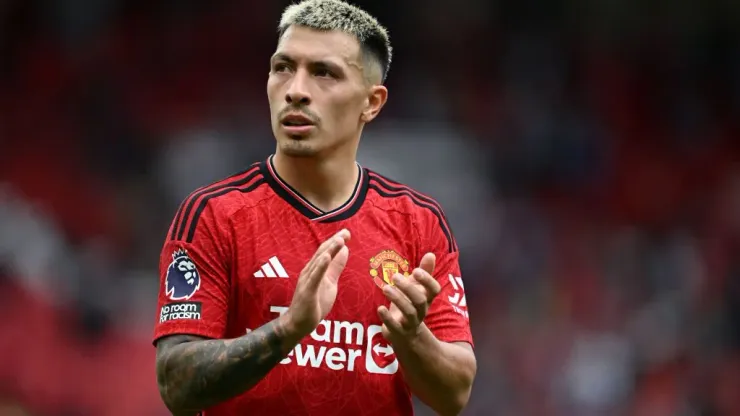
[(331, 15)]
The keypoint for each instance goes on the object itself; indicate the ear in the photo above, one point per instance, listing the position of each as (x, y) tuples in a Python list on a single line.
[(376, 99)]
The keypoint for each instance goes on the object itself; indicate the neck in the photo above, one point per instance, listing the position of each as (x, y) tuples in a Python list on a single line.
[(326, 183)]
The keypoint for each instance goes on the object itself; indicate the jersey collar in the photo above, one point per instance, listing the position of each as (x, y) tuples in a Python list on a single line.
[(304, 206)]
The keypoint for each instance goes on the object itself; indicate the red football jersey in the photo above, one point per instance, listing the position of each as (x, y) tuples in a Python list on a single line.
[(231, 261)]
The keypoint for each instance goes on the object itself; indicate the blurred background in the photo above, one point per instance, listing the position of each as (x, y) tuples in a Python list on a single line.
[(587, 155)]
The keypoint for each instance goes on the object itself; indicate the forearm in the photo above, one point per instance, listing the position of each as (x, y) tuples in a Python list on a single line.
[(193, 376), (439, 373)]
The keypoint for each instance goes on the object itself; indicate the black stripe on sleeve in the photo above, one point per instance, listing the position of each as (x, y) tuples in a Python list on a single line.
[(197, 193), (223, 191), (384, 181), (387, 193), (185, 218)]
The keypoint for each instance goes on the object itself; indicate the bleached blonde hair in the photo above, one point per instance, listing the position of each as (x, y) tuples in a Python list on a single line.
[(331, 15)]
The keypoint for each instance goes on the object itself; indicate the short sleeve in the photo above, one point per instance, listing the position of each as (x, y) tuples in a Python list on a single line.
[(194, 277), (448, 317)]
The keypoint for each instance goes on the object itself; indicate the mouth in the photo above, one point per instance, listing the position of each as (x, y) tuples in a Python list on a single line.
[(296, 120), (297, 124)]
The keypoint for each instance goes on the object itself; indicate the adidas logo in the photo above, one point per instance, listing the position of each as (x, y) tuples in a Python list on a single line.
[(271, 269)]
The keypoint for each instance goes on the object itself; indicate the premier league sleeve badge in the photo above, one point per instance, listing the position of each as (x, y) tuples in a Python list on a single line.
[(183, 278)]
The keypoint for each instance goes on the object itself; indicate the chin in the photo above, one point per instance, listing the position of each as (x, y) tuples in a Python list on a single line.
[(297, 147)]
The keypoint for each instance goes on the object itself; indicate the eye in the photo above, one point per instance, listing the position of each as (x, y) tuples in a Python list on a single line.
[(280, 67), (324, 73)]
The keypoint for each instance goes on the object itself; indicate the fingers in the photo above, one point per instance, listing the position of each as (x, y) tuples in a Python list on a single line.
[(335, 241), (337, 264), (393, 324), (409, 300), (428, 263), (325, 256), (340, 259), (415, 293), (411, 297), (428, 282), (336, 244), (332, 246), (318, 268)]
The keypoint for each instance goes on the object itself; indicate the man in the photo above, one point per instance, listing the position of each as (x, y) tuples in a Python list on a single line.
[(262, 308)]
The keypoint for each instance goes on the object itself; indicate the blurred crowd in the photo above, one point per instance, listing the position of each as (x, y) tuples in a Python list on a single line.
[(587, 154)]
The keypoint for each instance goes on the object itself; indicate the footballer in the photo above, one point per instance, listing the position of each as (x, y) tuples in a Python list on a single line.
[(308, 284)]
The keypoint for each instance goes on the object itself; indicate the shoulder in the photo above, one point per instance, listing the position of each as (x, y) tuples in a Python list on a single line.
[(218, 201), (402, 197), (426, 211)]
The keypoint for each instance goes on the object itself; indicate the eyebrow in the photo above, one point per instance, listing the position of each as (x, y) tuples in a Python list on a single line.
[(280, 56)]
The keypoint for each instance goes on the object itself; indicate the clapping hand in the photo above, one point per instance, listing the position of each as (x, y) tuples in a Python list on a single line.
[(410, 300), (316, 289)]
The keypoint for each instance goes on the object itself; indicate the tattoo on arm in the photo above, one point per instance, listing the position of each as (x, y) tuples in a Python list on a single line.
[(194, 373)]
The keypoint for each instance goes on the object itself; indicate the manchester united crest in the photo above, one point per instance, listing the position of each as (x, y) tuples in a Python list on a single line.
[(385, 264)]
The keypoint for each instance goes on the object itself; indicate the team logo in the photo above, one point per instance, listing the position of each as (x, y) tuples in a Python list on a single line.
[(385, 264), (183, 279)]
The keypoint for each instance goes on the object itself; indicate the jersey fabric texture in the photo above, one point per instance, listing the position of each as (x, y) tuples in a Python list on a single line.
[(231, 260)]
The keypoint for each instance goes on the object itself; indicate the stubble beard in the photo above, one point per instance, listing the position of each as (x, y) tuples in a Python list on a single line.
[(298, 147)]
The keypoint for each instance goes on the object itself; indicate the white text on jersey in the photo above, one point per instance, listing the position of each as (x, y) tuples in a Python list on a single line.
[(371, 345)]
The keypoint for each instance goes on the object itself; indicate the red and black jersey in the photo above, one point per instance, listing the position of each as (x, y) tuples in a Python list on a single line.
[(231, 260)]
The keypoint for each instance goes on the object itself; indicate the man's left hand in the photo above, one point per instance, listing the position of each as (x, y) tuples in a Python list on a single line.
[(410, 299)]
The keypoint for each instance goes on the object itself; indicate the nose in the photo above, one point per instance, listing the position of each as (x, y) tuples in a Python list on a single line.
[(298, 90)]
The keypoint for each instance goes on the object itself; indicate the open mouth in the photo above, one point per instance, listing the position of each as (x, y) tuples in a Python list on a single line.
[(296, 121)]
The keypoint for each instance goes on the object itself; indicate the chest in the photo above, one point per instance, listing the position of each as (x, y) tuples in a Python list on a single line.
[(267, 266)]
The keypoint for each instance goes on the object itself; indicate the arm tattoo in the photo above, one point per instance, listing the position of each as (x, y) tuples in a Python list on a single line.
[(194, 373)]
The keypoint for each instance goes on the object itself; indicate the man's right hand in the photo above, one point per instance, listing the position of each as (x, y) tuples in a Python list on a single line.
[(316, 290)]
